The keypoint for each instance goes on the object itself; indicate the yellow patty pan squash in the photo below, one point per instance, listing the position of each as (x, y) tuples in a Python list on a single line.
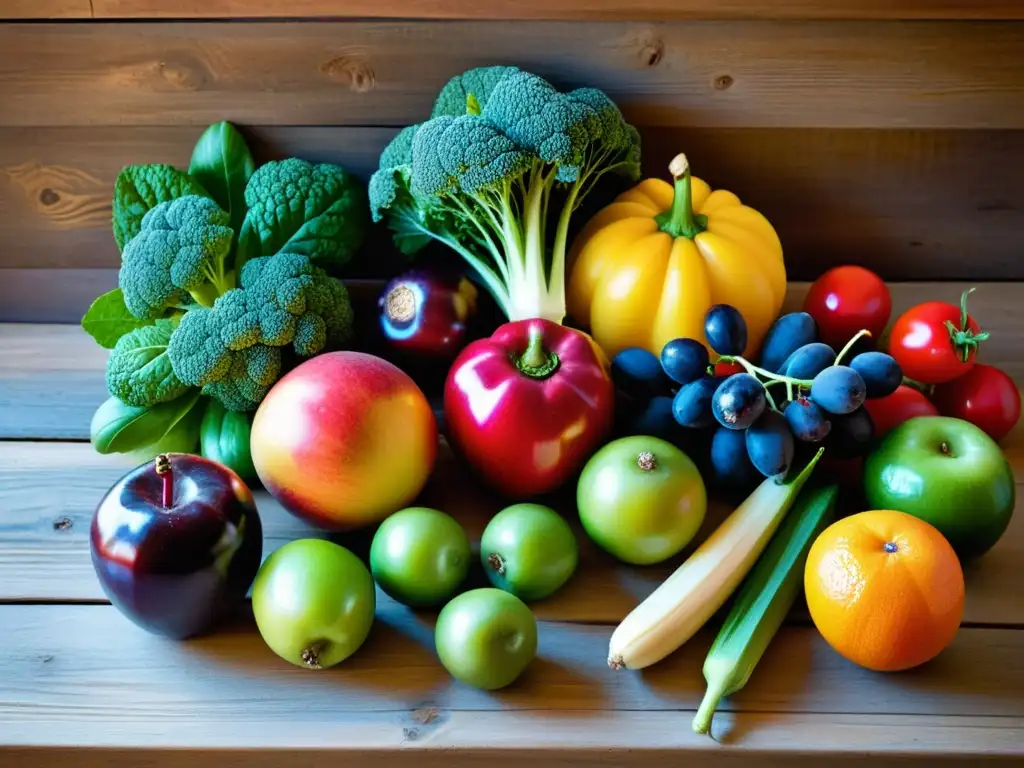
[(646, 268)]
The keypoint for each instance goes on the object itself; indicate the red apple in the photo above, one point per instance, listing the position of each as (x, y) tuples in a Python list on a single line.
[(344, 440), (176, 544)]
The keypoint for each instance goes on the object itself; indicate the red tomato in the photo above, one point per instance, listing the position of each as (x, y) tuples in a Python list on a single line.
[(936, 341), (725, 370), (890, 411), (984, 396), (846, 300)]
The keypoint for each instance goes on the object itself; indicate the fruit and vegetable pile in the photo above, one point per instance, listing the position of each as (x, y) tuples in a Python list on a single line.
[(642, 364)]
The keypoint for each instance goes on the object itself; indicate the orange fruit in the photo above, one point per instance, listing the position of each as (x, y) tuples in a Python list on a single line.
[(885, 589)]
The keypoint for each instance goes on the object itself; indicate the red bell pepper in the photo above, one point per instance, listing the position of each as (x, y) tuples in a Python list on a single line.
[(529, 405)]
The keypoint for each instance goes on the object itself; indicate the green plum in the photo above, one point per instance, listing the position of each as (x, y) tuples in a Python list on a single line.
[(949, 473), (314, 603), (420, 556), (641, 499), (529, 550), (486, 638)]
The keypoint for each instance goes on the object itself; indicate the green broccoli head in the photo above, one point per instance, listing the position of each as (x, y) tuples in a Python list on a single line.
[(233, 350), (477, 83), (465, 152), (178, 253), (318, 211)]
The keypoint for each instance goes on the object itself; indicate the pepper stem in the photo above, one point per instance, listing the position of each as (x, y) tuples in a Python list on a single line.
[(964, 339), (537, 362), (679, 220), (163, 469)]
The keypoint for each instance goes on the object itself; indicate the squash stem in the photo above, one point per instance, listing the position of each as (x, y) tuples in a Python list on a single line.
[(679, 220)]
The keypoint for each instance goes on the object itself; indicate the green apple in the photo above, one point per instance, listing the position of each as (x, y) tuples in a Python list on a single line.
[(486, 638), (420, 556), (314, 603), (528, 550), (641, 499), (946, 472)]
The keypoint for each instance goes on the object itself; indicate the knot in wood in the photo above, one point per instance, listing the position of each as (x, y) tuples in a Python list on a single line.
[(354, 70), (723, 82), (48, 197), (182, 76), (652, 52)]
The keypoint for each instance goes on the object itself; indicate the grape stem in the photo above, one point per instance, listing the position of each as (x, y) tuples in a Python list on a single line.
[(770, 399), (850, 343), (753, 370)]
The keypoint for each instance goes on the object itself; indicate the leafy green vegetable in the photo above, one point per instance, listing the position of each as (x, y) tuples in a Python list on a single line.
[(119, 428), (224, 438), (179, 253), (222, 164), (139, 371), (183, 437), (232, 350), (318, 211), (140, 188), (485, 176), (108, 319)]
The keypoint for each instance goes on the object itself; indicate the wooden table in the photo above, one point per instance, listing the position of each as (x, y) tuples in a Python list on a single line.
[(80, 685)]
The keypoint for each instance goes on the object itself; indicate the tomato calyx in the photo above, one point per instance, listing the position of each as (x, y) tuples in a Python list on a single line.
[(964, 340)]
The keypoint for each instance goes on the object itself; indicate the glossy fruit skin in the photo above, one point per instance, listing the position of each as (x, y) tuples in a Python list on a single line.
[(314, 603), (738, 401), (885, 589), (641, 516), (725, 330), (426, 312), (949, 473), (344, 439), (921, 343), (905, 403), (691, 406), (880, 372), (684, 360), (527, 436), (844, 300), (785, 336), (984, 396), (419, 556), (176, 572), (808, 361), (839, 389), (529, 550), (486, 638)]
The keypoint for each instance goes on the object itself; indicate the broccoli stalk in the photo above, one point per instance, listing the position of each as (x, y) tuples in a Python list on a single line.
[(487, 181)]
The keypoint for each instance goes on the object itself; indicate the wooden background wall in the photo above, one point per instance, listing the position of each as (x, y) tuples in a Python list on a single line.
[(888, 133)]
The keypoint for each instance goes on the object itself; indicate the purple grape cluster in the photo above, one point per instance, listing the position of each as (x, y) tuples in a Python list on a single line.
[(798, 391)]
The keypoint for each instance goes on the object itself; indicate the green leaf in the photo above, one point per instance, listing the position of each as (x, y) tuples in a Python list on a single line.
[(183, 437), (139, 370), (108, 319), (139, 188), (222, 163), (121, 428)]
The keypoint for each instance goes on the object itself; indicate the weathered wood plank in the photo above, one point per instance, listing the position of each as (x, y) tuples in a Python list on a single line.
[(53, 395), (910, 204), (88, 665), (44, 550), (708, 74), (565, 9), (45, 9)]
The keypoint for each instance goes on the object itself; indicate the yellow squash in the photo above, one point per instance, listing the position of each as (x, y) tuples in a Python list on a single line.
[(648, 266)]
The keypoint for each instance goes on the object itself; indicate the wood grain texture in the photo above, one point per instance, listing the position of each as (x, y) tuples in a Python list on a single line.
[(706, 74), (54, 395), (564, 9), (84, 675), (44, 545), (45, 9), (908, 204)]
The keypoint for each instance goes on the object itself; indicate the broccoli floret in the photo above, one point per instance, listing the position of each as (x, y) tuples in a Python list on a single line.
[(481, 175), (233, 349), (296, 207), (139, 372), (178, 254)]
